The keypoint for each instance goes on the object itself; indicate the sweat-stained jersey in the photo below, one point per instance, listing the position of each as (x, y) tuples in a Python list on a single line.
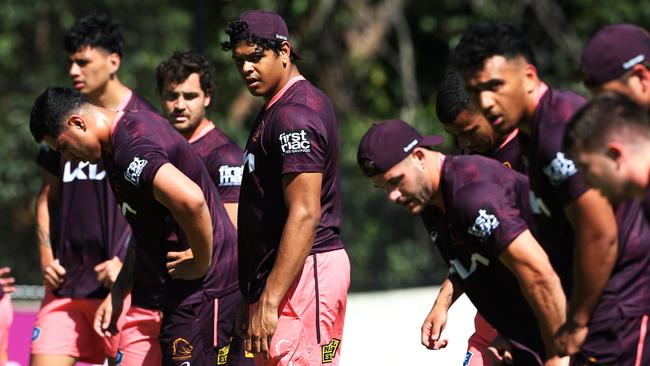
[(296, 134), (486, 207), (554, 179), (89, 227), (142, 142), (224, 160)]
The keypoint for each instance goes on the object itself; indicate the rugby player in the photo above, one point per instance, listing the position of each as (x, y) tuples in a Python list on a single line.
[(7, 286), (474, 134), (576, 224), (478, 215), (185, 86), (91, 234), (171, 203), (293, 270), (617, 58)]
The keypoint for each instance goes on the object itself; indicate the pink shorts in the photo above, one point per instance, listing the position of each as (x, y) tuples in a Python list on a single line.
[(64, 326), (310, 332), (139, 343), (6, 317), (479, 342)]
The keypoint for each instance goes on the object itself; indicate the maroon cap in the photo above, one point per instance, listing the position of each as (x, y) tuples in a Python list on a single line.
[(263, 24), (612, 51), (388, 143)]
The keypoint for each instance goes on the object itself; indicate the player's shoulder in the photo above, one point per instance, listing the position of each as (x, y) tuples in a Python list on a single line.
[(560, 105)]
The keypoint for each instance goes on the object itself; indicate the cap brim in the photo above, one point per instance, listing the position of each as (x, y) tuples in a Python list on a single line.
[(431, 140)]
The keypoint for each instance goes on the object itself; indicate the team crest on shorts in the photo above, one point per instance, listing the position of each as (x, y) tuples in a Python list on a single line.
[(329, 350), (222, 357), (468, 357), (36, 333), (119, 358), (181, 349)]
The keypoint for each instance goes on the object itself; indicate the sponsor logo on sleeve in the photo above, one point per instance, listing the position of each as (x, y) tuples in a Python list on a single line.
[(133, 172), (249, 160), (560, 169), (329, 350), (484, 225), (230, 175), (294, 142), (181, 350)]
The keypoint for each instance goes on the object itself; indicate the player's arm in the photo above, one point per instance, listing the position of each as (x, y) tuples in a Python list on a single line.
[(539, 283), (596, 249), (185, 201), (231, 209), (436, 320), (302, 198), (47, 198)]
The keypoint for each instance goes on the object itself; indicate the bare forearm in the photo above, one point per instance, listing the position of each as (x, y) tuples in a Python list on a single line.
[(593, 264), (43, 230), (124, 280), (546, 298), (295, 245), (196, 223), (448, 294)]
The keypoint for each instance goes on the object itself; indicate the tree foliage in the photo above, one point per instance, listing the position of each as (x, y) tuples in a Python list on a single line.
[(376, 59)]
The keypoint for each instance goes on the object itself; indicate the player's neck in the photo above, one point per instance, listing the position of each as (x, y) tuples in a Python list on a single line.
[(111, 96), (201, 129), (104, 123), (288, 75), (532, 102), (436, 161)]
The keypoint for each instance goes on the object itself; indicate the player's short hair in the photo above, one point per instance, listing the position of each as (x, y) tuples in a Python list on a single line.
[(50, 110), (237, 27), (180, 66), (95, 30), (607, 113), (452, 98), (489, 39)]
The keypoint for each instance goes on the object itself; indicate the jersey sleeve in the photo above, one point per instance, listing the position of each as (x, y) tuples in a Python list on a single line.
[(49, 160), (299, 141), (139, 160), (488, 213), (563, 175)]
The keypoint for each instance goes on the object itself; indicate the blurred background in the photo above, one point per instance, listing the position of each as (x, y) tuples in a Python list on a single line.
[(376, 59)]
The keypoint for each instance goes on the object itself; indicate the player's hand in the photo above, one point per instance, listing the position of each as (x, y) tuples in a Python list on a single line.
[(107, 271), (181, 265), (8, 284), (106, 316), (54, 274), (261, 327), (432, 328), (241, 320), (500, 351), (569, 338)]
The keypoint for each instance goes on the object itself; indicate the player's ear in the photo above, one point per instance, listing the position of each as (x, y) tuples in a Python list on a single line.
[(114, 61), (615, 151), (76, 121), (285, 53), (207, 100), (530, 77)]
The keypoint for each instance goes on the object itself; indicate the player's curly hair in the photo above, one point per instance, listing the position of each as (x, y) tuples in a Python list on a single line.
[(180, 66), (50, 110), (452, 98), (488, 39), (237, 27), (95, 30)]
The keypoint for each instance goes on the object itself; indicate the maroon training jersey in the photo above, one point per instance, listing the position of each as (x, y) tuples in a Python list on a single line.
[(296, 134), (141, 143), (511, 154), (90, 227), (224, 160), (486, 207), (554, 179)]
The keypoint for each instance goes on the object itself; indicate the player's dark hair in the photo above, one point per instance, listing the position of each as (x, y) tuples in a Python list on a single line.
[(607, 113), (452, 98), (237, 27), (50, 110), (180, 66), (489, 39), (95, 30)]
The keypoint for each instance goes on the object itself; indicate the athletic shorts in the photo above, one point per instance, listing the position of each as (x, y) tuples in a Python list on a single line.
[(479, 342), (618, 341), (6, 317), (138, 339), (192, 335), (312, 314), (64, 326)]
